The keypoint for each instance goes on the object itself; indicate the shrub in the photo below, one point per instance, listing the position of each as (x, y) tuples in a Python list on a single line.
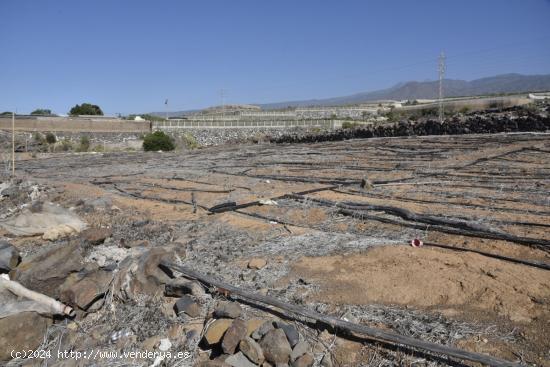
[(98, 148), (66, 145), (50, 138), (190, 141), (349, 125), (84, 144), (38, 138), (158, 141)]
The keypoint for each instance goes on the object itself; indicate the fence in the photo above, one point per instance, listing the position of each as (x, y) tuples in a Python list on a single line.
[(243, 124)]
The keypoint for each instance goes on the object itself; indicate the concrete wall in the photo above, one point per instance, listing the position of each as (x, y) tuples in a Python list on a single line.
[(54, 124)]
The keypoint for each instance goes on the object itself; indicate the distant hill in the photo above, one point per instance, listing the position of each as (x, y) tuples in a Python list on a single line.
[(505, 83)]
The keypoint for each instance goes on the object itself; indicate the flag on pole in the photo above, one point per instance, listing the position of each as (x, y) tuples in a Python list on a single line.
[(166, 101)]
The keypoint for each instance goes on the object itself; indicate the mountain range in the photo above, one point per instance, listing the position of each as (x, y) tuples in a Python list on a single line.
[(505, 83)]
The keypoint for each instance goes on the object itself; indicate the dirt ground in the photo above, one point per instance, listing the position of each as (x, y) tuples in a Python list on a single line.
[(344, 247)]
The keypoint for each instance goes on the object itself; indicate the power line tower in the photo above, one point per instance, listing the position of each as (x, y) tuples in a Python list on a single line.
[(441, 70)]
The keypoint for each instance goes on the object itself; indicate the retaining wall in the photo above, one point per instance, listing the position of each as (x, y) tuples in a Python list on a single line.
[(61, 124)]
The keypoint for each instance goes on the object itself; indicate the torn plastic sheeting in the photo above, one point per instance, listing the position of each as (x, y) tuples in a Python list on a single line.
[(267, 202), (49, 217)]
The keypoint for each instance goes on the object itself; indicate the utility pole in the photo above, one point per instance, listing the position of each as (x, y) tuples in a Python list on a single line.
[(166, 107), (222, 94), (13, 144), (441, 70)]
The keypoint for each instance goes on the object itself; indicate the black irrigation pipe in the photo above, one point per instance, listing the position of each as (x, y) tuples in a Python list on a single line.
[(299, 313), (143, 197), (186, 189), (538, 243), (313, 179), (202, 182), (232, 206), (480, 185), (482, 207), (446, 225), (293, 178), (536, 264), (531, 263)]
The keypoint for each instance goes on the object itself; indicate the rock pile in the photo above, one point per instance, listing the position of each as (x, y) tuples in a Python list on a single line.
[(508, 121), (210, 137), (239, 342)]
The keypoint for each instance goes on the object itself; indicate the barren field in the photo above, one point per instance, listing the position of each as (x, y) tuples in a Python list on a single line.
[(333, 222)]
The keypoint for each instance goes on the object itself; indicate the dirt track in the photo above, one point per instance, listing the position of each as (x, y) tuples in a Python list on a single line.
[(342, 241)]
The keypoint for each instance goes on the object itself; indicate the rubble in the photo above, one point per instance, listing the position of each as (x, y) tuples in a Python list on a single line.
[(506, 120)]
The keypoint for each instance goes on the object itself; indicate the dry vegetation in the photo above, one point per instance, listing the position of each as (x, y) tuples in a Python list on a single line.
[(341, 247)]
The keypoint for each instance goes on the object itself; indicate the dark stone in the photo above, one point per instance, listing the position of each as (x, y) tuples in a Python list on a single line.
[(179, 287), (85, 288), (188, 305), (230, 310), (262, 330), (22, 331), (239, 360), (304, 361), (96, 236), (232, 337), (276, 347), (290, 332), (9, 257), (46, 270)]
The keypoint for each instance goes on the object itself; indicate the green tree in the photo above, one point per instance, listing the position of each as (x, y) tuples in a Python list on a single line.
[(41, 111), (86, 109), (158, 141)]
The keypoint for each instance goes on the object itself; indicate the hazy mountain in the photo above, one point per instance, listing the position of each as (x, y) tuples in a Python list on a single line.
[(506, 83)]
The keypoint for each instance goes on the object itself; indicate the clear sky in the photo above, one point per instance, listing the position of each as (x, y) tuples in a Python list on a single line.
[(128, 56)]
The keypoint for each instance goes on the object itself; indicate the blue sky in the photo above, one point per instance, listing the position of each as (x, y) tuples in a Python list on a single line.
[(128, 56)]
